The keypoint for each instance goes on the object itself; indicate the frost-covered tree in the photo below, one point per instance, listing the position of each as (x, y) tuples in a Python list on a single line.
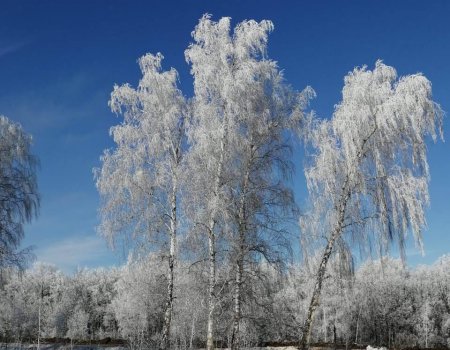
[(262, 202), (77, 325), (139, 178), (238, 137), (19, 198), (139, 303), (211, 144), (368, 179)]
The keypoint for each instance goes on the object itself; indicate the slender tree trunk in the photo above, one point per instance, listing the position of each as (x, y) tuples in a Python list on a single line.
[(211, 291), (306, 331), (191, 339), (39, 327), (334, 335), (212, 243), (165, 342), (237, 306), (41, 296), (341, 208), (239, 264), (357, 325)]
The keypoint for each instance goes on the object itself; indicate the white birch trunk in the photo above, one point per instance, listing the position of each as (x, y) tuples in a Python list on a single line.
[(39, 318), (237, 306), (211, 291), (39, 327), (341, 208), (357, 326), (239, 265), (191, 339), (306, 331), (212, 244), (165, 342)]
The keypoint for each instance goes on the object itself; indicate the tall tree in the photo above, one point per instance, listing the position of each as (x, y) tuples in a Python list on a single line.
[(139, 179), (211, 144), (368, 181), (270, 116), (19, 198), (241, 108)]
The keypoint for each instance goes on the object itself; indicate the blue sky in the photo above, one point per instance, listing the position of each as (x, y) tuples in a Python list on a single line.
[(59, 61)]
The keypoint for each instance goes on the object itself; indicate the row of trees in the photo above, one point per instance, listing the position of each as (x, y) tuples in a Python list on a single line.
[(381, 304), (212, 171)]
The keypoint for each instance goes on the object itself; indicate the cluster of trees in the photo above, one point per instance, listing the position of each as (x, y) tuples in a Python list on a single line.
[(199, 188), (211, 172), (382, 303)]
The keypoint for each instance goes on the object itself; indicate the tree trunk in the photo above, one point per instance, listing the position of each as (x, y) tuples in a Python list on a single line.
[(357, 325), (237, 306), (39, 327), (41, 296), (212, 243), (165, 342), (211, 291), (191, 338), (334, 336), (306, 331), (239, 263)]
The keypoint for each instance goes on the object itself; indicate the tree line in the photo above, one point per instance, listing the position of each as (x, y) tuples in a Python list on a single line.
[(382, 303)]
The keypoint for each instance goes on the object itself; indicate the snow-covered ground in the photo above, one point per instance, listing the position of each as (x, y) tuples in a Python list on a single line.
[(17, 346)]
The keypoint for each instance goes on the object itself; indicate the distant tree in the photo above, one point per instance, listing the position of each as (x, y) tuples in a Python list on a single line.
[(139, 179), (19, 198), (77, 325), (139, 302), (368, 181)]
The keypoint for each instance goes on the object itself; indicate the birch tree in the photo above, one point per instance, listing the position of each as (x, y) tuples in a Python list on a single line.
[(19, 197), (368, 177), (270, 116), (209, 134), (139, 178), (241, 108)]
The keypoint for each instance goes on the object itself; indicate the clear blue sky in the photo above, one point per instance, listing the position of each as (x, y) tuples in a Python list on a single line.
[(59, 61)]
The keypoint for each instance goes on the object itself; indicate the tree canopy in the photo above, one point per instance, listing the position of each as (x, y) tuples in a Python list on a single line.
[(19, 197)]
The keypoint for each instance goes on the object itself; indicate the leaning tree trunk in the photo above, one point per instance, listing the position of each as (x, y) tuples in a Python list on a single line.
[(306, 331), (165, 342), (341, 208)]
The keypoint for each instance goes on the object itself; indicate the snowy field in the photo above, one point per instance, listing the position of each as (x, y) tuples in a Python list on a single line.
[(87, 347), (13, 346), (94, 347)]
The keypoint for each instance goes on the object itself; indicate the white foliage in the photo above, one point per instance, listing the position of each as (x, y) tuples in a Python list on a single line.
[(373, 150), (78, 324), (137, 177), (242, 114), (139, 303)]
